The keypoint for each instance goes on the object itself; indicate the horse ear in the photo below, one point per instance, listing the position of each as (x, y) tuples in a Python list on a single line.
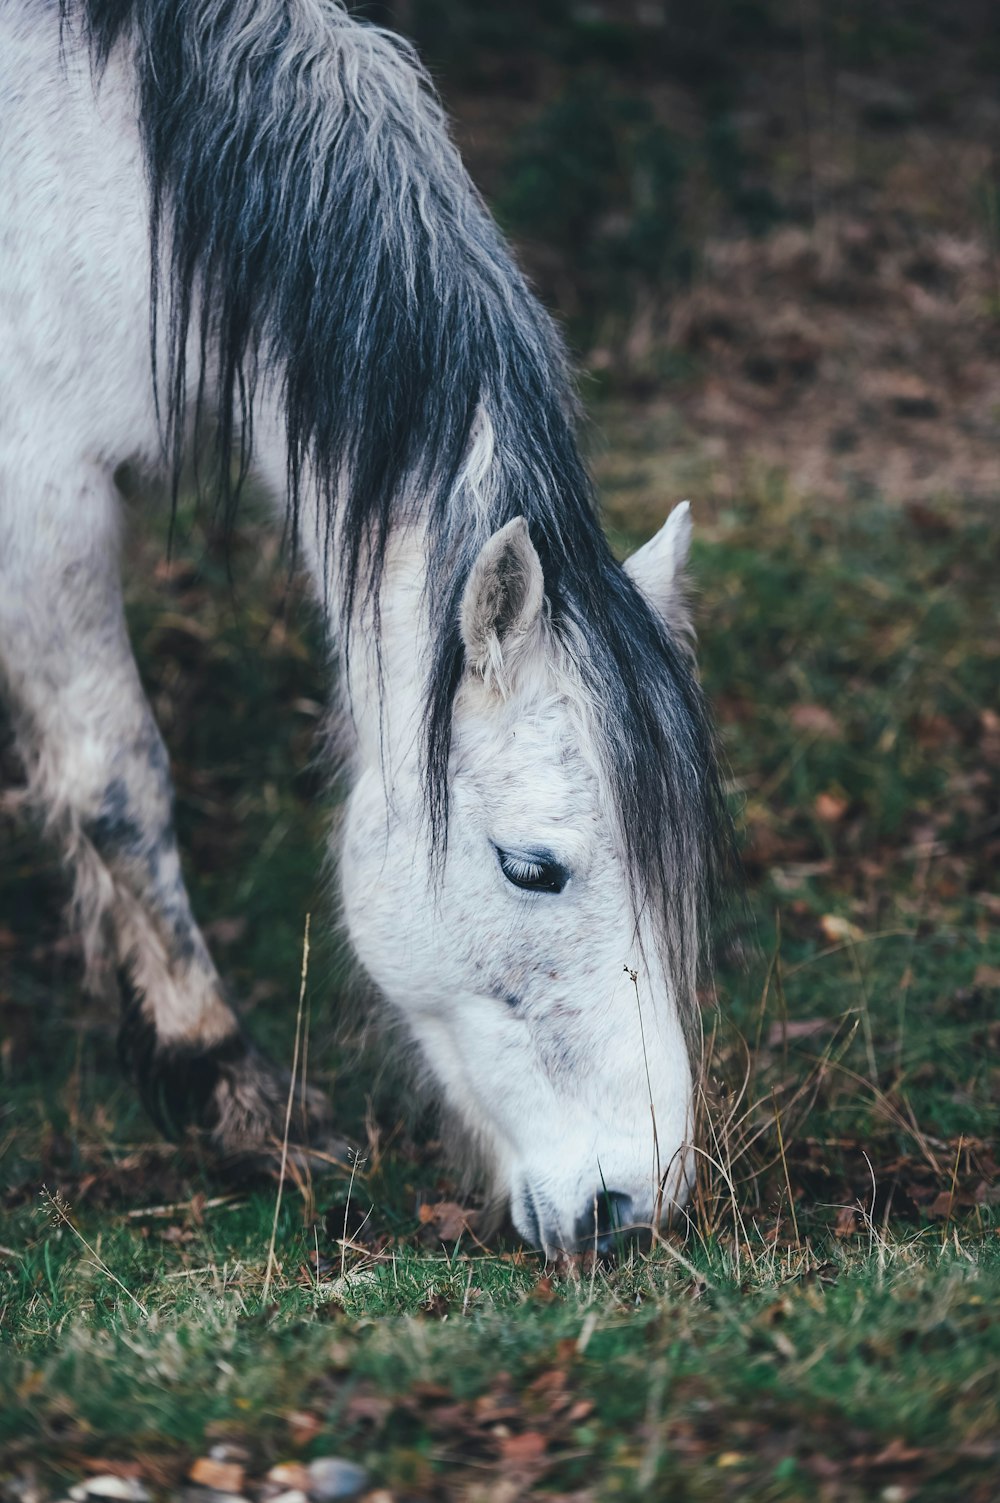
[(658, 570), (502, 605)]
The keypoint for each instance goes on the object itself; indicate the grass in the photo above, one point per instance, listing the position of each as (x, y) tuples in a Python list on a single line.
[(828, 1326)]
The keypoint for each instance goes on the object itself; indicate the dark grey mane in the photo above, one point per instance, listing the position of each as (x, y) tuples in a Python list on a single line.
[(315, 226)]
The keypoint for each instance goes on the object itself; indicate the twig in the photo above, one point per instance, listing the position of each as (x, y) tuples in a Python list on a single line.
[(951, 1195), (288, 1112), (347, 1211), (784, 1165), (56, 1205), (634, 978), (139, 1213)]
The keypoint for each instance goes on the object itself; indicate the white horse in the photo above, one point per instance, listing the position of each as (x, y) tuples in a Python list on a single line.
[(251, 211)]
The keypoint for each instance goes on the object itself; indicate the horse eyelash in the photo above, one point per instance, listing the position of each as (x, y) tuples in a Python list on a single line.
[(527, 873)]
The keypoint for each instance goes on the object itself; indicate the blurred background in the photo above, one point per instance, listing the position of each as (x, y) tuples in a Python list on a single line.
[(776, 219)]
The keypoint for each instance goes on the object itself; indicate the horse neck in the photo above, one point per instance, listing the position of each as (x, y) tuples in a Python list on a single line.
[(384, 671)]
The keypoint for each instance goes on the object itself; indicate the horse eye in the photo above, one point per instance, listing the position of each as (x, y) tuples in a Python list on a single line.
[(535, 873)]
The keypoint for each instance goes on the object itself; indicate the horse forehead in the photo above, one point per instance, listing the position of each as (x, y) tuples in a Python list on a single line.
[(529, 761), (535, 741)]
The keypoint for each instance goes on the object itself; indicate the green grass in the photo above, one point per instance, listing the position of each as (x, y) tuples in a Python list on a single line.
[(828, 1326)]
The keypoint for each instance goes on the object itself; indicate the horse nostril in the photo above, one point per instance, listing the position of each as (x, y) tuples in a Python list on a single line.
[(600, 1226)]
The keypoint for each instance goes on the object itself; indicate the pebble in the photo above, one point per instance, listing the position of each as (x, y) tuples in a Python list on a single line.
[(331, 1479), (117, 1489), (227, 1451), (221, 1476), (290, 1475), (196, 1494)]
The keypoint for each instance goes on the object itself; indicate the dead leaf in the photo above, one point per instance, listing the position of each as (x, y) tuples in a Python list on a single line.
[(830, 807), (799, 1028), (448, 1219), (817, 720), (368, 1408), (846, 1224), (928, 519), (226, 931), (896, 1453), (836, 929), (988, 977), (551, 1382), (526, 1449), (291, 1474), (221, 1476), (490, 1408)]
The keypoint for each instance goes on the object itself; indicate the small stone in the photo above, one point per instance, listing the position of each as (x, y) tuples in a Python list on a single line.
[(293, 1495), (304, 1425), (227, 1451), (23, 1489), (330, 1479), (221, 1476), (198, 1494), (116, 1489), (291, 1474)]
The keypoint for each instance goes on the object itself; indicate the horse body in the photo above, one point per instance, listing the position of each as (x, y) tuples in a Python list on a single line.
[(528, 843)]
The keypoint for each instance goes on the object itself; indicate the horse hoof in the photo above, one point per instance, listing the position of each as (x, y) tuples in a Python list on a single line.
[(245, 1107), (253, 1125)]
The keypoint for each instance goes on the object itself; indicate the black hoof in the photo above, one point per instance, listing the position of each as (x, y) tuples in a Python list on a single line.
[(228, 1092)]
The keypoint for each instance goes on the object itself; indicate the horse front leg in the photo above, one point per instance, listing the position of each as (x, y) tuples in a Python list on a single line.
[(98, 773)]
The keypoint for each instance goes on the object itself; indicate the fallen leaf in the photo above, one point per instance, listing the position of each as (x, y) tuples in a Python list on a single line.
[(830, 807), (490, 1407), (552, 1381), (523, 1450), (816, 719), (447, 1218), (370, 1409), (222, 1476), (836, 929), (896, 1453), (226, 931), (846, 1223), (290, 1474), (799, 1028), (988, 977)]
